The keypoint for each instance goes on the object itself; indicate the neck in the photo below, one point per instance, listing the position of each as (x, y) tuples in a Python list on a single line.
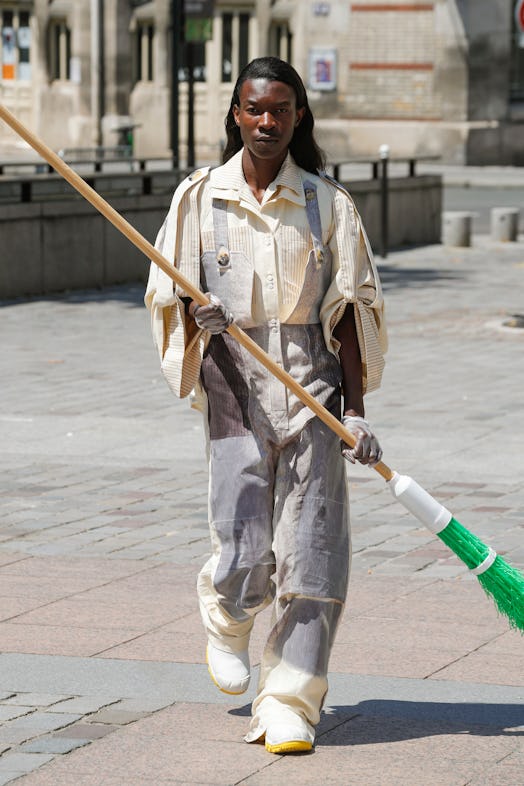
[(259, 172)]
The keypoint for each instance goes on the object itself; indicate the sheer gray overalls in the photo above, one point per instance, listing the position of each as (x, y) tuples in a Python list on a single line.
[(278, 507)]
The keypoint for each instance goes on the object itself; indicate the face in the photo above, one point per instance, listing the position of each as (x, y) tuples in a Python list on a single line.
[(267, 117)]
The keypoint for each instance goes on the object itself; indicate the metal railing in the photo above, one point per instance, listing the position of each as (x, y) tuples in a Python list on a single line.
[(44, 187), (380, 172), (81, 156), (411, 161)]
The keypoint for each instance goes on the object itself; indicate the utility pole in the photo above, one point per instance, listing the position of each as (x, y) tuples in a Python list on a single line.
[(190, 60), (177, 9), (97, 68), (384, 201)]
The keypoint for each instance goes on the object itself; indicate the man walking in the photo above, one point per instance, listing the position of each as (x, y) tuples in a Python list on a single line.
[(281, 250)]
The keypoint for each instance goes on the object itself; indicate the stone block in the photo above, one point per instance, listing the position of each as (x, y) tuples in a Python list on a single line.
[(504, 224), (456, 228)]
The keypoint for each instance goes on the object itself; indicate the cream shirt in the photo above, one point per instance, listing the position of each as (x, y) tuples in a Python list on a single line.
[(275, 235)]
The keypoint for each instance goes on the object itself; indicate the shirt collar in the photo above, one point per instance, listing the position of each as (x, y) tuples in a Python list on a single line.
[(228, 182)]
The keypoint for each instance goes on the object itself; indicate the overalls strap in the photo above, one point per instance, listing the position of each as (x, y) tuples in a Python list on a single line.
[(220, 229), (219, 208), (313, 217)]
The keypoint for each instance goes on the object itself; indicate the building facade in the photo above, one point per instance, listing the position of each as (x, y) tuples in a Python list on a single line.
[(442, 77)]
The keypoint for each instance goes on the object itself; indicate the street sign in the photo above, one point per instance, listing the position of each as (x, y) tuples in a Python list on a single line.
[(198, 30), (199, 9), (519, 19), (198, 15)]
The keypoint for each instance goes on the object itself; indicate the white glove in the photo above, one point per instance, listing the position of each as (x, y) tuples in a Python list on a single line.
[(367, 449), (215, 317)]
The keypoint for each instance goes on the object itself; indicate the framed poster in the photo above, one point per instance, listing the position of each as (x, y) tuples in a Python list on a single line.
[(8, 53), (322, 69)]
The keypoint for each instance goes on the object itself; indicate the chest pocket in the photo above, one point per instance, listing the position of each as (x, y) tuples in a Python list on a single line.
[(228, 274), (317, 275)]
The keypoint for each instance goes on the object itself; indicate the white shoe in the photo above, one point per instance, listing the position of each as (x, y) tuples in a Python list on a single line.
[(291, 737), (229, 671)]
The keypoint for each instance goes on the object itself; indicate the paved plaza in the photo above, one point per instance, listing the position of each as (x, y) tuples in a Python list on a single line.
[(103, 528)]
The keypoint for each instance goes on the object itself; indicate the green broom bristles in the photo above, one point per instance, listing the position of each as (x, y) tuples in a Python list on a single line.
[(503, 583)]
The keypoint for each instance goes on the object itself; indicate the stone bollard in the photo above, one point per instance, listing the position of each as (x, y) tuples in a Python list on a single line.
[(456, 228), (504, 224)]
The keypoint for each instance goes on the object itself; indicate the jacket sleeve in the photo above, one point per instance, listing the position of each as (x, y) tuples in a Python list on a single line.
[(355, 279), (177, 338)]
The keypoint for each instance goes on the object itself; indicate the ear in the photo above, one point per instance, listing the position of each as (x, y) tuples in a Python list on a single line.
[(300, 115), (236, 113)]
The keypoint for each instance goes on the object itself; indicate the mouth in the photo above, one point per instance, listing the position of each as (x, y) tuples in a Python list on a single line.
[(266, 139)]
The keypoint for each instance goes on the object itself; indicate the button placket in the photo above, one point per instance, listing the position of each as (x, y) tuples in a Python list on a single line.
[(277, 390), (270, 278)]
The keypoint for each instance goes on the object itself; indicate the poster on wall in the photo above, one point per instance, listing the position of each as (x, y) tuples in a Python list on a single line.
[(519, 19), (323, 69), (8, 53)]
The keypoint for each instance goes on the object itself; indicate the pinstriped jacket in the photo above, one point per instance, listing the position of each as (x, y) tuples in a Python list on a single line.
[(187, 233)]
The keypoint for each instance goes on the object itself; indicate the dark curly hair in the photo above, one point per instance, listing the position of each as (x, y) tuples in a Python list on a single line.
[(303, 147)]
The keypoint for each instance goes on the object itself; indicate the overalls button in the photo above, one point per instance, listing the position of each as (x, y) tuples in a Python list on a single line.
[(223, 257)]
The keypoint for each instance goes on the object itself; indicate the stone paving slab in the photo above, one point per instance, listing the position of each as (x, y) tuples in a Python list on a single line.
[(103, 508), (346, 748)]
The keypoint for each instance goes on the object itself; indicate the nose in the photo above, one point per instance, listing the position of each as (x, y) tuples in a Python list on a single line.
[(266, 120)]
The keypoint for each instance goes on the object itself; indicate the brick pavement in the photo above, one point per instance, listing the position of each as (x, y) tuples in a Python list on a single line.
[(103, 529)]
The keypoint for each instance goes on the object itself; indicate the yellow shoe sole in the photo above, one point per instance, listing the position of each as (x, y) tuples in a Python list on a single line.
[(229, 692), (290, 746)]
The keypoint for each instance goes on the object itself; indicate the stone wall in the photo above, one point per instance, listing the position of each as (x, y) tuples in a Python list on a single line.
[(61, 245)]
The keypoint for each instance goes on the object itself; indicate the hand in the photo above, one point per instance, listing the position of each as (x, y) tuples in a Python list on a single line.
[(367, 449), (214, 317)]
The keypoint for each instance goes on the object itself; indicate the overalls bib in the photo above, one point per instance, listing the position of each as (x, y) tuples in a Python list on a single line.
[(277, 480), (242, 394)]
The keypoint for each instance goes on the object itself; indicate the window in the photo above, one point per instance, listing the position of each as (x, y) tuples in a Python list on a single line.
[(516, 82), (227, 47), (280, 41), (199, 62), (235, 44), (243, 41), (59, 49), (145, 33), (24, 46), (15, 44)]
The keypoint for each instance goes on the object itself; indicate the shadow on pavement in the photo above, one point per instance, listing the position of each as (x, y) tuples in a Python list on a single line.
[(388, 720), (382, 720), (132, 294), (406, 278)]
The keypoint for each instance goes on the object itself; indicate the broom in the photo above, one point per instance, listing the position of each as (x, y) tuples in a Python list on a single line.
[(499, 580), (503, 583)]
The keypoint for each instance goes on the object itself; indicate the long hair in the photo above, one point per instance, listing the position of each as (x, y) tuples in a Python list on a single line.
[(303, 147)]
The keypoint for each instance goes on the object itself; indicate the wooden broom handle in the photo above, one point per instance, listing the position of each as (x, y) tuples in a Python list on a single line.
[(151, 253)]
